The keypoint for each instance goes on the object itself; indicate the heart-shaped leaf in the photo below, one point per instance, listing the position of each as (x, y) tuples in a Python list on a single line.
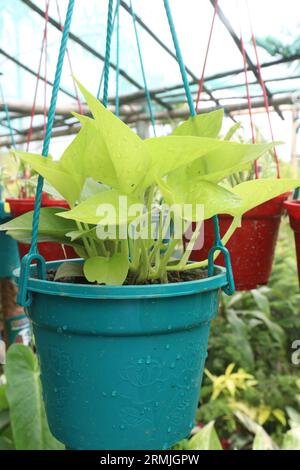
[(60, 178), (104, 208), (172, 152), (69, 270), (117, 143), (214, 198), (226, 159), (50, 225), (110, 271)]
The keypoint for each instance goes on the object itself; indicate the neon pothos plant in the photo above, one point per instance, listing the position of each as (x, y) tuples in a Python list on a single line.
[(107, 161)]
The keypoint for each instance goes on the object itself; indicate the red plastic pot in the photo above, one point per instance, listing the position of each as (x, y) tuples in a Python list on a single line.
[(293, 208), (49, 250), (252, 246), (20, 206)]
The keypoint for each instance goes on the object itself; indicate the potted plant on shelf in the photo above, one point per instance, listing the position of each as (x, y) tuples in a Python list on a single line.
[(122, 333), (252, 243), (293, 209)]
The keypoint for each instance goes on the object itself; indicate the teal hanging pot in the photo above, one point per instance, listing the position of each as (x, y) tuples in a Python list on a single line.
[(9, 254), (121, 367)]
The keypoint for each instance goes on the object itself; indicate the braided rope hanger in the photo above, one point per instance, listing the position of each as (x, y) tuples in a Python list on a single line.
[(218, 245), (24, 296), (117, 65), (117, 101), (76, 92), (105, 75), (109, 32), (147, 92)]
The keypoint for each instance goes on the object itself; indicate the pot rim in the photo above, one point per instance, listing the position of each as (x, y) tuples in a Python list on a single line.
[(19, 200), (85, 291), (293, 203)]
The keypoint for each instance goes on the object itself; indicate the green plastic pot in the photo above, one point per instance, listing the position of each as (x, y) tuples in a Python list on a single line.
[(9, 254), (121, 367)]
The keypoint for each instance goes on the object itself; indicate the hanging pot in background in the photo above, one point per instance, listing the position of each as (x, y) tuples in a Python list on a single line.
[(121, 367), (49, 250), (16, 323), (9, 256), (293, 208), (252, 246)]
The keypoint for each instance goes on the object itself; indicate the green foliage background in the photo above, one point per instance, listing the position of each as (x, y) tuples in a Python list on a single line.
[(255, 330)]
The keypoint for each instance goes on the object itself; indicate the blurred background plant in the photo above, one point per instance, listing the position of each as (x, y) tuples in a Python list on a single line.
[(276, 47), (266, 164), (23, 422), (251, 341), (12, 180)]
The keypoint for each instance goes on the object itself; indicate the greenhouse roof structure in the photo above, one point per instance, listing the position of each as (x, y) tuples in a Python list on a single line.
[(24, 24)]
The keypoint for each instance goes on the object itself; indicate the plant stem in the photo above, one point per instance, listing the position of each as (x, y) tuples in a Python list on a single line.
[(91, 241), (158, 242), (144, 265), (162, 272), (234, 225), (135, 255), (185, 258), (85, 241)]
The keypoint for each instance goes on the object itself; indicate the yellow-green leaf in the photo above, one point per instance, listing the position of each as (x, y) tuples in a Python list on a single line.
[(172, 152), (205, 439), (256, 192), (280, 416), (214, 198), (110, 271), (60, 178), (87, 155), (227, 159), (264, 414), (229, 369), (105, 208), (202, 125), (120, 144)]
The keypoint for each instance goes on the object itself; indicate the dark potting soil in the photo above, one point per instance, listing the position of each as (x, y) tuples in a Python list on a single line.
[(173, 277)]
